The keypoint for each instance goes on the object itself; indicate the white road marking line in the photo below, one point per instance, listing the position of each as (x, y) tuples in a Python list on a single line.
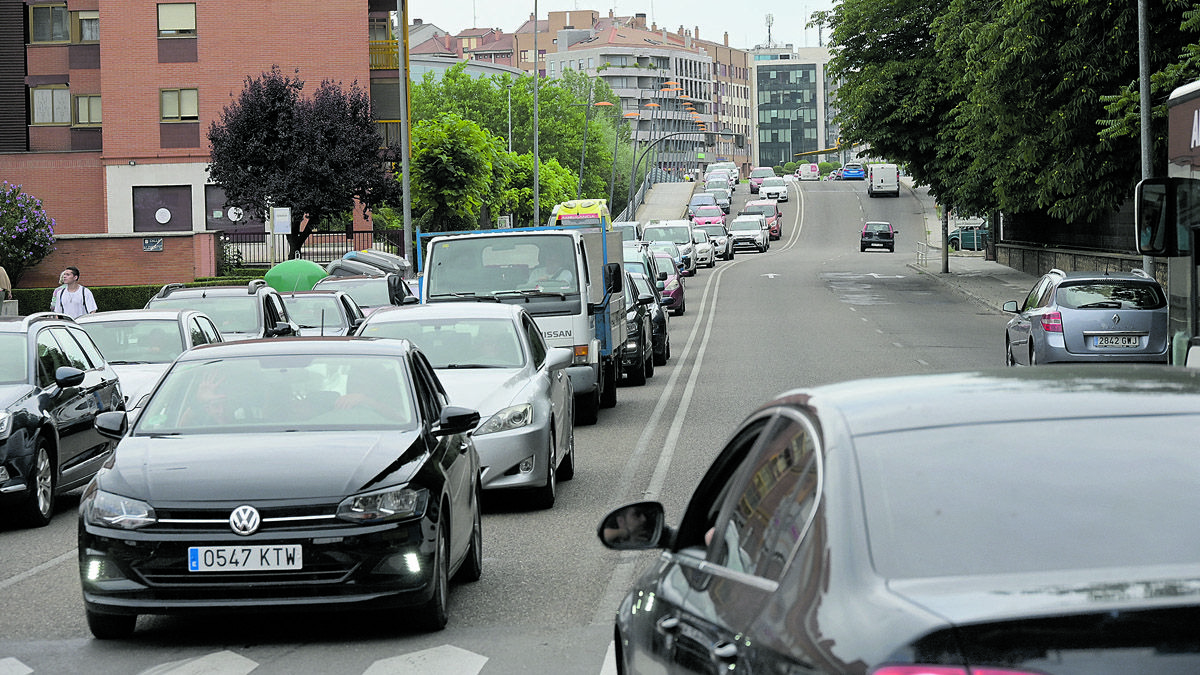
[(218, 663), (18, 578), (11, 666), (441, 660)]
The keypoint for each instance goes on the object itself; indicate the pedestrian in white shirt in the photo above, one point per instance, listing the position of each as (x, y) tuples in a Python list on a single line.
[(72, 298)]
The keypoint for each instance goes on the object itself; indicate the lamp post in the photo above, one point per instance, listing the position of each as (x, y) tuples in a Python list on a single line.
[(613, 179), (587, 118), (510, 116)]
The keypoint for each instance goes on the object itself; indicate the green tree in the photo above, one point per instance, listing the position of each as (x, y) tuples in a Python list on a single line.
[(558, 185), (26, 232), (319, 156), (453, 172)]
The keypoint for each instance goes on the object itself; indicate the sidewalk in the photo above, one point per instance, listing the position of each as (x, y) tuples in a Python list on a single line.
[(666, 201), (987, 282)]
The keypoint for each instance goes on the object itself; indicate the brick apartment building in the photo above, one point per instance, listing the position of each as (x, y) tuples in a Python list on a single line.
[(105, 108)]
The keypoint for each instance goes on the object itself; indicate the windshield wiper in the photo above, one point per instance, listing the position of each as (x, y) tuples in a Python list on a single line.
[(470, 365), (466, 295), (533, 293), (129, 363)]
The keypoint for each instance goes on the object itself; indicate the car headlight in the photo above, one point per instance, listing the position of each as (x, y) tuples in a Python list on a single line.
[(672, 285), (105, 509), (395, 503), (512, 417), (5, 425)]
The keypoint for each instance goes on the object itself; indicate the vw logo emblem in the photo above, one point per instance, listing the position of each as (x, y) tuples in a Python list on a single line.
[(244, 520)]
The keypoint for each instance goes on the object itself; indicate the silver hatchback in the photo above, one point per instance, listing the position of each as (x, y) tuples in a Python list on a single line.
[(1088, 317)]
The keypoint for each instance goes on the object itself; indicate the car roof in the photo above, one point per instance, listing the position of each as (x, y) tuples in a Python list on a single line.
[(149, 314), (893, 404), (762, 202), (298, 346), (356, 277), (448, 310), (1101, 276), (20, 324)]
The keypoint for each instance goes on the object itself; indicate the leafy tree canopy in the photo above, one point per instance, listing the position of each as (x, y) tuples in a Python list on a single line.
[(319, 156)]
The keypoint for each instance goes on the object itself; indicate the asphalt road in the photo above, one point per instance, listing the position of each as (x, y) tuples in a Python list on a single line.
[(811, 310)]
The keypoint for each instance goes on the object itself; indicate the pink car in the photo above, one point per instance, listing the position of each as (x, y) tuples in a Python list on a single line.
[(706, 215)]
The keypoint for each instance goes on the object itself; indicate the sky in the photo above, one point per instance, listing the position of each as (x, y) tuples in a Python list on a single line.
[(747, 26)]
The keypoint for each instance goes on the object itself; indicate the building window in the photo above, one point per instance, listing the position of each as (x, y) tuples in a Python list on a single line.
[(87, 110), (51, 105), (85, 26), (49, 23), (180, 105), (177, 20)]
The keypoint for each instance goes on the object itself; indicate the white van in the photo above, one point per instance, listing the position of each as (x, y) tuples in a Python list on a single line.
[(808, 171), (883, 179)]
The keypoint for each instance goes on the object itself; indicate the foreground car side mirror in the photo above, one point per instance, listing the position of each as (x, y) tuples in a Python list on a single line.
[(66, 377), (456, 420), (635, 527), (1010, 306), (112, 424), (559, 358)]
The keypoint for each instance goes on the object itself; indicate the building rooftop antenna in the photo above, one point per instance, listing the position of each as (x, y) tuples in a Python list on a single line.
[(770, 21)]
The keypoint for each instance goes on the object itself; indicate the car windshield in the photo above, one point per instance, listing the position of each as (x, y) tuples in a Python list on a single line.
[(138, 341), (1053, 509), (370, 292), (1109, 295), (14, 367), (635, 266), (666, 247), (314, 311), (284, 392), (702, 199), (676, 234), (699, 237), (457, 343), (712, 230), (710, 211), (641, 285), (484, 266), (236, 313), (762, 173), (773, 182), (665, 262), (740, 225), (878, 227)]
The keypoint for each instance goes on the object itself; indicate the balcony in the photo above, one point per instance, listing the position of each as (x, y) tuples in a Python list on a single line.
[(385, 54)]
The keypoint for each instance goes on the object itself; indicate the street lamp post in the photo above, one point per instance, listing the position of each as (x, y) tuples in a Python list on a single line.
[(510, 116), (587, 118)]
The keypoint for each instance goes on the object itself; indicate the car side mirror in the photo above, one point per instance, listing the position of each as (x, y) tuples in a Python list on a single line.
[(456, 420), (112, 424), (410, 300), (559, 358), (645, 299), (66, 376), (612, 272), (1010, 306), (634, 527), (660, 285)]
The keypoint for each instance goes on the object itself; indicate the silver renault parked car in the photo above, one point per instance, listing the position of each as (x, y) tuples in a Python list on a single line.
[(1088, 317)]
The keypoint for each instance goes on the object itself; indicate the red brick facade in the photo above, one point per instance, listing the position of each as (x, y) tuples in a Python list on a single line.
[(121, 260)]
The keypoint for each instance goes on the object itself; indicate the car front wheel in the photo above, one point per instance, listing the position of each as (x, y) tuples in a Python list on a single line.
[(545, 496), (433, 614), (39, 507), (111, 626)]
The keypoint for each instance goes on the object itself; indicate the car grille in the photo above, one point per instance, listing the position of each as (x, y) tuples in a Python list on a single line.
[(274, 519)]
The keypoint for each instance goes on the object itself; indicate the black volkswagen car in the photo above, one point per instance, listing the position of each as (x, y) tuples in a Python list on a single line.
[(275, 474), (53, 383), (1047, 527)]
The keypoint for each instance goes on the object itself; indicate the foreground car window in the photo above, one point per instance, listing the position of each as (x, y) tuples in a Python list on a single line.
[(1100, 295), (280, 393), (969, 507), (14, 367), (459, 343)]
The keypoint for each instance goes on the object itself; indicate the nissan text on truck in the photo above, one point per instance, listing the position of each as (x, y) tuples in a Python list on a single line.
[(568, 278)]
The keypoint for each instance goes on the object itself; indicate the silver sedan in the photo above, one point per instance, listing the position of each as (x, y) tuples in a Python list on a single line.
[(492, 358)]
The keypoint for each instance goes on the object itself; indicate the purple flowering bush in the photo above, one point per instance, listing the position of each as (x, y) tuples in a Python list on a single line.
[(26, 232)]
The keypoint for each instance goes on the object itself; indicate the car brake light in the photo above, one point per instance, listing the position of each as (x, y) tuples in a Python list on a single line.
[(946, 670), (1052, 322)]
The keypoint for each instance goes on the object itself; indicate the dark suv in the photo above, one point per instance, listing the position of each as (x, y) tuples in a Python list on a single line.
[(241, 312), (53, 383)]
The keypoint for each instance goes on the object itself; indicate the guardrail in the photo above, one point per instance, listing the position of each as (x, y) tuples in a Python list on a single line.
[(923, 254)]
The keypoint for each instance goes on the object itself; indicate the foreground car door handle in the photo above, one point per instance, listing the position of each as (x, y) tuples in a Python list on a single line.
[(667, 625), (723, 653)]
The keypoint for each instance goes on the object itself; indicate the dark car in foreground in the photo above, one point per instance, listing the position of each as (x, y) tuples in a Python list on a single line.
[(325, 473), (53, 383), (1094, 317), (877, 234), (856, 528)]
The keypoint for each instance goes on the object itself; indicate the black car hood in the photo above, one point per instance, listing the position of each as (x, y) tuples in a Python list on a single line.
[(291, 465), (11, 393)]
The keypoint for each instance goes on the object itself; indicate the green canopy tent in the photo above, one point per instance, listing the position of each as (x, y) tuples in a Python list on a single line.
[(294, 275)]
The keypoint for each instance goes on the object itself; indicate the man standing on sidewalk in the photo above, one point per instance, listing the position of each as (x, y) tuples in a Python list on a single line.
[(72, 298)]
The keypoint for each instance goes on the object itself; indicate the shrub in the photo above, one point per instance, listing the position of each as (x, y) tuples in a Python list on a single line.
[(26, 232)]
